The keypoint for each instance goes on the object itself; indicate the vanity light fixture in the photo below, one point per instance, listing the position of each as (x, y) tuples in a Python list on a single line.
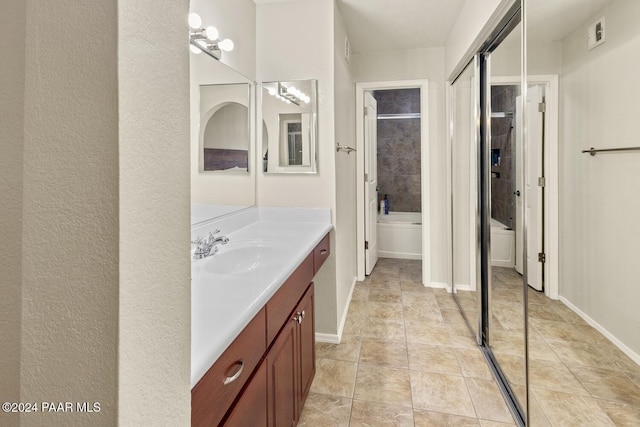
[(206, 39), (290, 95)]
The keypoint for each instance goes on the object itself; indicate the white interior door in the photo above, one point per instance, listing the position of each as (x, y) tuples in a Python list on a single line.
[(371, 182), (532, 205)]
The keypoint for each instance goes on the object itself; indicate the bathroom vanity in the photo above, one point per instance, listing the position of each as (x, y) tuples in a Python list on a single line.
[(253, 333)]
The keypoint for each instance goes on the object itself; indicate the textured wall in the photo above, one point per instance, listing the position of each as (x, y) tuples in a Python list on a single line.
[(12, 39), (154, 323), (503, 184), (70, 210), (399, 162)]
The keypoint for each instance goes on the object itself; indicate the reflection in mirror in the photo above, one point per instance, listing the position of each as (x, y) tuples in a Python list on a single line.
[(222, 139), (506, 307), (289, 114), (584, 323), (224, 127), (464, 159)]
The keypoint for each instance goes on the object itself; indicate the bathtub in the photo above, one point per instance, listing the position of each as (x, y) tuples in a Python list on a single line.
[(503, 245), (400, 235)]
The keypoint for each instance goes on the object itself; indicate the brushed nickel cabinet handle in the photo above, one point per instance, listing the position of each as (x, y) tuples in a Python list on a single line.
[(323, 251), (235, 376)]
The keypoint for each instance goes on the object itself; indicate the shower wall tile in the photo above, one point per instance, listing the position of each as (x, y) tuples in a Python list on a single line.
[(503, 100), (398, 101), (399, 152)]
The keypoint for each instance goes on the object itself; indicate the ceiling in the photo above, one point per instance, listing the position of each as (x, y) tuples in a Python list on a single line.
[(383, 25), (386, 25)]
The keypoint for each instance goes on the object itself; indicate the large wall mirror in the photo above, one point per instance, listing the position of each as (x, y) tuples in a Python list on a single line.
[(289, 126), (222, 139)]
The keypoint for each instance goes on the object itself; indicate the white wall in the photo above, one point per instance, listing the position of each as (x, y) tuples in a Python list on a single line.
[(599, 203), (345, 172), (234, 19), (428, 64), (98, 157), (295, 42)]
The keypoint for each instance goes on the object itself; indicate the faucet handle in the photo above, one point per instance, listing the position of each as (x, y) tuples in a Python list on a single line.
[(198, 241)]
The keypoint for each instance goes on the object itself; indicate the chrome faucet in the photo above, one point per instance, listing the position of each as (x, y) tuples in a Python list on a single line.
[(208, 247)]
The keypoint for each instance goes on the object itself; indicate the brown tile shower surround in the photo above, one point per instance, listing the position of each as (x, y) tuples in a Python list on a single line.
[(399, 149), (407, 359), (503, 100)]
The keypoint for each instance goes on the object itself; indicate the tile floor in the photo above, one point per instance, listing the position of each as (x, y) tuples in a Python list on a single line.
[(407, 358)]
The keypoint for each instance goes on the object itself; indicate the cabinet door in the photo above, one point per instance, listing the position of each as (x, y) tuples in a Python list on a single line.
[(283, 381), (307, 345), (251, 408)]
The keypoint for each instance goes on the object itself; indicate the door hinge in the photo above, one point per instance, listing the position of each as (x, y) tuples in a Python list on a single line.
[(542, 257), (541, 181), (366, 111), (542, 107), (366, 244), (366, 177)]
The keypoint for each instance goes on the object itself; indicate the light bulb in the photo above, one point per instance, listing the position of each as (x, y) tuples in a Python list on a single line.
[(194, 49), (291, 89), (272, 91), (226, 45), (211, 32), (307, 99), (194, 20)]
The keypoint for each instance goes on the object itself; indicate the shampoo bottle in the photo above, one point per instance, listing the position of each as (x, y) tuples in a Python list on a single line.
[(386, 205)]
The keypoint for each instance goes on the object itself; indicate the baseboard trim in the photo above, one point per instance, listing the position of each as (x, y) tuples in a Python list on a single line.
[(439, 285), (622, 346), (327, 338), (398, 255)]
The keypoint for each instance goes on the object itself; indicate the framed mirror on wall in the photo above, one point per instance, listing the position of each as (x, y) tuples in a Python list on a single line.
[(289, 126)]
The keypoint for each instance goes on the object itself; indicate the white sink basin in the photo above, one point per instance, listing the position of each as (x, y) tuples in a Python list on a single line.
[(237, 258)]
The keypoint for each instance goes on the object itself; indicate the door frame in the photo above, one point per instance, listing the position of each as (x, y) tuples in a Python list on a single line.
[(362, 87), (552, 176)]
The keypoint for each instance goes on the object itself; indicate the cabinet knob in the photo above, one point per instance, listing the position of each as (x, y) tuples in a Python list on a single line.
[(235, 376)]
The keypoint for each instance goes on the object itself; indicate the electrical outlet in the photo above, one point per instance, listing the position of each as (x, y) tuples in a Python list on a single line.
[(596, 33)]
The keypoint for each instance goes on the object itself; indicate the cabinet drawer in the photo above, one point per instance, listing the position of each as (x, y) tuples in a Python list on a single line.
[(283, 302), (321, 253), (251, 408), (211, 397)]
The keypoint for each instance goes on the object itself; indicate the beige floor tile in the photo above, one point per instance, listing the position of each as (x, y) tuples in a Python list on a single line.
[(608, 384), (583, 354), (622, 414), (473, 364), (432, 419), (384, 310), (554, 376), (431, 358), (325, 411), (445, 300), (435, 333), (360, 292), (383, 385), (366, 414), (334, 377), (348, 350), (488, 423), (387, 353), (381, 294), (441, 393), (422, 312), (488, 401), (384, 329), (564, 409), (353, 324)]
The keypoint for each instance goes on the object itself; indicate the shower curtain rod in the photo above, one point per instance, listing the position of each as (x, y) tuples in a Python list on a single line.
[(593, 151), (398, 116)]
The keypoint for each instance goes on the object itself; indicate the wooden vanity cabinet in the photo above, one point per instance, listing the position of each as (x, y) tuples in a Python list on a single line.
[(277, 353)]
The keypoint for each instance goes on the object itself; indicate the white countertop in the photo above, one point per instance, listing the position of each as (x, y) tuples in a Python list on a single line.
[(222, 305)]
